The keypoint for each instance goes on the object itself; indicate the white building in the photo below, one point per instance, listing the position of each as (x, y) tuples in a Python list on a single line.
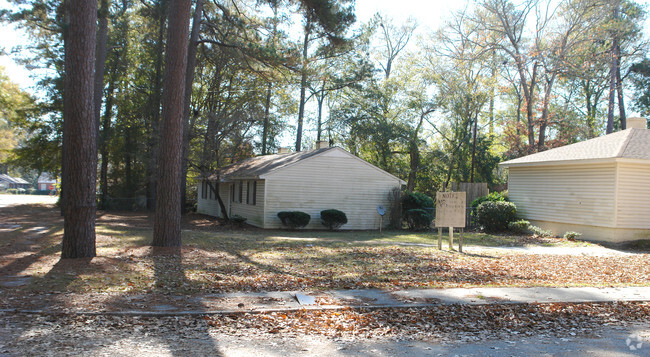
[(307, 181), (598, 187)]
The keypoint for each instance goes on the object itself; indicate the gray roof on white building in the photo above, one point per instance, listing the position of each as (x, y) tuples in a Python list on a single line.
[(626, 144)]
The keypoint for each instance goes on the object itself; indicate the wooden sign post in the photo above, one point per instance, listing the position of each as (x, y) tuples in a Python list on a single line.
[(450, 212)]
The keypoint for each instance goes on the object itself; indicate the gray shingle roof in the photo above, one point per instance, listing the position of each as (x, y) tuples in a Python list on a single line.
[(630, 144), (260, 165), (14, 180)]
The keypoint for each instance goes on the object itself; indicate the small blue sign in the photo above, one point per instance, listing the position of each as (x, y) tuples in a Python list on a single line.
[(381, 210)]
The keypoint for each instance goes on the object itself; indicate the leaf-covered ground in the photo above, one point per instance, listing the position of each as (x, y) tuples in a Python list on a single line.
[(389, 332), (525, 319), (218, 259)]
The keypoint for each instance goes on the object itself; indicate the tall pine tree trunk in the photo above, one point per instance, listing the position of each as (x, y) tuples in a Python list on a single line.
[(167, 220), (80, 135), (100, 58), (612, 76), (189, 80), (154, 108), (303, 86), (266, 123), (619, 90)]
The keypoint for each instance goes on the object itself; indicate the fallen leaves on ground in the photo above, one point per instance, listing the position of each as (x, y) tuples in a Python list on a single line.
[(526, 319)]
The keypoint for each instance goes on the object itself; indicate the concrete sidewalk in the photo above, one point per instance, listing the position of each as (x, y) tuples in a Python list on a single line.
[(338, 299)]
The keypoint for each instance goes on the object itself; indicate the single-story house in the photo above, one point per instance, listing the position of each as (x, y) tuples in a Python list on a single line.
[(308, 181), (7, 181), (46, 182), (598, 187)]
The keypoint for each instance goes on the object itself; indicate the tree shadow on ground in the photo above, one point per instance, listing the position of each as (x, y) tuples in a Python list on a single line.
[(170, 277)]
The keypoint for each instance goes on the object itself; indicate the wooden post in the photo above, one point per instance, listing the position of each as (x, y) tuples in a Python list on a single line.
[(460, 242), (439, 238), (381, 223), (451, 238)]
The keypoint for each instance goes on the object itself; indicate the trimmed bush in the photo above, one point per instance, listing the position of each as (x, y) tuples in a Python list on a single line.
[(12, 191), (294, 219), (495, 216), (31, 190), (416, 200), (521, 226), (333, 218), (572, 235), (238, 220), (418, 219), (537, 231), (492, 197)]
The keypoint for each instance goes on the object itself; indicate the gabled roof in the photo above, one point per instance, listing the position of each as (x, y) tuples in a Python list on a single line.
[(626, 144), (256, 167), (46, 178), (260, 165), (14, 180)]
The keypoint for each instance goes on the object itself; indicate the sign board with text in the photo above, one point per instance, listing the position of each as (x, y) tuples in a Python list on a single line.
[(450, 209)]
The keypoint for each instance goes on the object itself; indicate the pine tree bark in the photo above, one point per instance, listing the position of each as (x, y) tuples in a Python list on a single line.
[(612, 75), (303, 85), (80, 135), (100, 63), (619, 90), (154, 108), (189, 80), (167, 220)]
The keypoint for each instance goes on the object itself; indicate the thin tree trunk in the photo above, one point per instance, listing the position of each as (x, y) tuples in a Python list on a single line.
[(619, 90), (530, 101), (265, 124), (474, 134), (167, 220), (80, 138), (189, 80), (269, 87), (303, 86), (493, 85), (222, 206), (545, 112), (612, 76), (100, 58), (105, 137), (154, 109), (319, 126)]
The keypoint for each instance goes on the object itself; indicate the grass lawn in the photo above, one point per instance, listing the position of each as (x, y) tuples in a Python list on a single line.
[(220, 259)]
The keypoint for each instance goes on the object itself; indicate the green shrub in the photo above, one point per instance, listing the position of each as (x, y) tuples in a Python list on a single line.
[(537, 231), (42, 192), (333, 218), (521, 226), (572, 235), (418, 219), (416, 200), (238, 220), (492, 197), (294, 219), (495, 216), (12, 191), (31, 190)]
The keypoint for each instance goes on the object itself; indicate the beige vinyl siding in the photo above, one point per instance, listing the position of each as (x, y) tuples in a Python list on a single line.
[(579, 194), (334, 180), (210, 205), (254, 213), (633, 195)]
